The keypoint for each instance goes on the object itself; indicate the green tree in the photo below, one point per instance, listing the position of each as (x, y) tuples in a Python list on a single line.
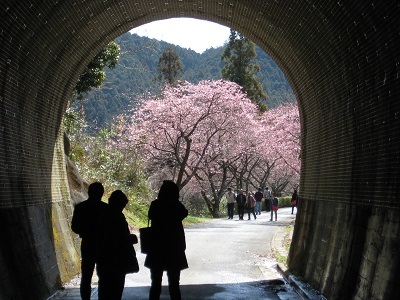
[(241, 67), (94, 75), (169, 67)]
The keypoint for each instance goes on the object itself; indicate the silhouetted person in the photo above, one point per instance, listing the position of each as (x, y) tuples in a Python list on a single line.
[(166, 214), (114, 244), (241, 201), (84, 222)]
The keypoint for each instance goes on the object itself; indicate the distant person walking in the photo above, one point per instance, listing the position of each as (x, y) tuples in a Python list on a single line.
[(267, 197), (258, 196), (275, 206), (84, 222), (251, 203), (230, 198), (294, 200), (166, 214), (115, 249), (241, 201)]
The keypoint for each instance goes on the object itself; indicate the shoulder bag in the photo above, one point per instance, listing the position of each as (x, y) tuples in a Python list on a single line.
[(146, 238)]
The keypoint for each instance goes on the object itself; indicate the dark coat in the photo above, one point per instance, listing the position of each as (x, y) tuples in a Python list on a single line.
[(295, 199), (169, 236), (114, 242), (241, 199), (85, 218)]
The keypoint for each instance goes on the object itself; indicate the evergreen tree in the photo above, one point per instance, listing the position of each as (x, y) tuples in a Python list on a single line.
[(93, 75), (241, 68), (169, 67)]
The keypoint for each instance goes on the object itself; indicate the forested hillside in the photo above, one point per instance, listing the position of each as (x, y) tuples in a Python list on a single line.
[(138, 66)]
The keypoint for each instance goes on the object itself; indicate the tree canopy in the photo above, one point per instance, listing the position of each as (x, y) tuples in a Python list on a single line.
[(210, 135)]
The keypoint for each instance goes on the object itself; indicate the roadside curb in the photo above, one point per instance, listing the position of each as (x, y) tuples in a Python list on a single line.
[(301, 288)]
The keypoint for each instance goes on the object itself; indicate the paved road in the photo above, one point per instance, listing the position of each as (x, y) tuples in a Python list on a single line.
[(228, 259)]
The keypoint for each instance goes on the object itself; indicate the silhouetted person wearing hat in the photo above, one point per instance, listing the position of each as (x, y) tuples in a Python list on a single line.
[(166, 214), (115, 248), (84, 222)]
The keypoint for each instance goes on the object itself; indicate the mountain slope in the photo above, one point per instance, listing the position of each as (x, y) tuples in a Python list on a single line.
[(138, 66)]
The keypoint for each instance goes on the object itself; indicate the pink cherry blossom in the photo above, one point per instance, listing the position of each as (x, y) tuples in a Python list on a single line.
[(210, 135)]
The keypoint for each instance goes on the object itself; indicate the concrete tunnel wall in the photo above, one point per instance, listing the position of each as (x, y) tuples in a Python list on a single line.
[(342, 59)]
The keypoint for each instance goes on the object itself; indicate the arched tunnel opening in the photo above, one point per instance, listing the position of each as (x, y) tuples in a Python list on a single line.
[(342, 60)]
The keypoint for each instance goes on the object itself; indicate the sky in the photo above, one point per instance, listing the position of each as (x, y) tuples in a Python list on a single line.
[(188, 33)]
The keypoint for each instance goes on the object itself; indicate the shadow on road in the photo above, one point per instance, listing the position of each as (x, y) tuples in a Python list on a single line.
[(265, 289)]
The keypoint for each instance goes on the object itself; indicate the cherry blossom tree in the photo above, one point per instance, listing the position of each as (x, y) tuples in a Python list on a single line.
[(284, 141), (186, 124), (210, 135)]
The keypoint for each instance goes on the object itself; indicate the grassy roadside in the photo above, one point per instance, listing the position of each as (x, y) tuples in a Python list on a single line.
[(136, 216), (282, 252), (190, 220)]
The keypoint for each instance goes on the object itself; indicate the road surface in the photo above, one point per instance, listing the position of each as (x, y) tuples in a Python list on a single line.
[(228, 259)]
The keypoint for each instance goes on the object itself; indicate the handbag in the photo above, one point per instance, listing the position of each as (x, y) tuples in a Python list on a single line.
[(131, 264), (146, 238)]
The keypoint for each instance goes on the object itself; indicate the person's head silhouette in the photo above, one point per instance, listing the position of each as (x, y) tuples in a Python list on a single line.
[(96, 191), (169, 191), (118, 200)]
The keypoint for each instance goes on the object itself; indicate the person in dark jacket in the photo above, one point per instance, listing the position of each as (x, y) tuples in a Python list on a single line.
[(115, 248), (294, 200), (258, 196), (241, 201), (275, 206), (84, 222), (166, 214)]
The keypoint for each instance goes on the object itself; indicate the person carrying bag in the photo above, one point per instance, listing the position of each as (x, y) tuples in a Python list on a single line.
[(146, 238), (167, 250), (116, 255)]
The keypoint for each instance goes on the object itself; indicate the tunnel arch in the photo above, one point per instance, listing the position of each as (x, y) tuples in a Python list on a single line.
[(342, 61)]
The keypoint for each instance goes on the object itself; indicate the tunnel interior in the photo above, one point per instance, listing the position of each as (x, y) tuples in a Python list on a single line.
[(342, 61)]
